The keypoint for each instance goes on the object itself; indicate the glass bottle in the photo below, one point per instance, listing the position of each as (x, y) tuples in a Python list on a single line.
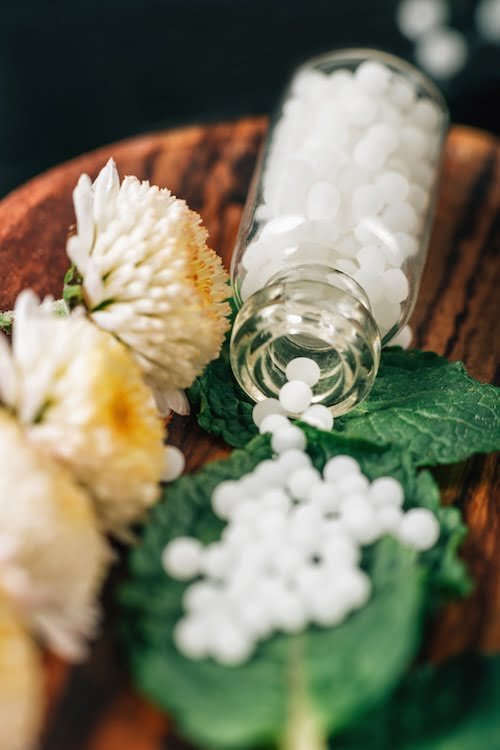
[(334, 235)]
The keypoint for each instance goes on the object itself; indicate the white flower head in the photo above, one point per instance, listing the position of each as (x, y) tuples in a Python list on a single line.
[(82, 399), (149, 278), (52, 556), (21, 694)]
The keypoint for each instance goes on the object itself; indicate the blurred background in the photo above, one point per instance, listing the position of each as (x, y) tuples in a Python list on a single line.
[(80, 74)]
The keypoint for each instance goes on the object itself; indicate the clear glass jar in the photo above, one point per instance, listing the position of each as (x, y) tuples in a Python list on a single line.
[(334, 235)]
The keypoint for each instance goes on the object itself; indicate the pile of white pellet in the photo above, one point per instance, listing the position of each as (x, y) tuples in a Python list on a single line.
[(290, 553), (347, 182)]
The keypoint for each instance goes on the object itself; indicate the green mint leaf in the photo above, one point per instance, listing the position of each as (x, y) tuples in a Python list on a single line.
[(316, 683), (224, 410), (428, 406), (420, 402), (450, 707)]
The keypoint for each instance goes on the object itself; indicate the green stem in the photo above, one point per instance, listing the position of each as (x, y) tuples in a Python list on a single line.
[(303, 730), (7, 317)]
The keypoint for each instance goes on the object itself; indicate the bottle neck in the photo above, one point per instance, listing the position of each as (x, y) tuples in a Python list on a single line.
[(307, 311)]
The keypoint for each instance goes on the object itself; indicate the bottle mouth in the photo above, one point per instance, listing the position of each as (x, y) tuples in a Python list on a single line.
[(307, 311)]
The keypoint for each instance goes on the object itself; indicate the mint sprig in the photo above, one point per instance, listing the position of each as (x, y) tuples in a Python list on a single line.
[(322, 680), (420, 403)]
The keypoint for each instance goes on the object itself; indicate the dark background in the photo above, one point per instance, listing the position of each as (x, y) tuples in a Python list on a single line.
[(76, 74)]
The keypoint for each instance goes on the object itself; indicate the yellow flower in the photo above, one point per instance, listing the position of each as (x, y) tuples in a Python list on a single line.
[(82, 399), (52, 557), (20, 684), (150, 278)]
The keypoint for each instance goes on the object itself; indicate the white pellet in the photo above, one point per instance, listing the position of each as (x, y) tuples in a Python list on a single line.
[(352, 484), (230, 645), (295, 396), (318, 416), (371, 258), (389, 519), (264, 408), (367, 200), (373, 77), (287, 439), (224, 498), (304, 369), (419, 529), (393, 186), (215, 560), (323, 200), (301, 480), (325, 497), (174, 463), (487, 19), (386, 491), (340, 466), (418, 17), (442, 52), (293, 459), (400, 216), (190, 637), (360, 519), (273, 423), (395, 285), (181, 558)]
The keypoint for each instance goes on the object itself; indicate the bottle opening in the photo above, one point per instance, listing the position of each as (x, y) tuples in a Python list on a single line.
[(307, 311)]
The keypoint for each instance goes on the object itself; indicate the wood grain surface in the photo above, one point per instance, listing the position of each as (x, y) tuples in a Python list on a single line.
[(93, 706)]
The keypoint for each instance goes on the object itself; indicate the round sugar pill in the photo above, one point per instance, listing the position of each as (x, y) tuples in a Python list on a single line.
[(323, 200), (340, 466), (371, 258), (442, 52), (224, 498), (419, 529), (273, 422), (360, 519), (301, 480), (395, 285), (417, 17), (367, 200), (325, 497), (318, 416), (295, 396), (304, 369), (288, 438), (264, 408), (174, 463), (393, 186), (216, 560), (386, 491), (200, 596), (426, 114), (181, 558), (389, 519), (356, 587), (373, 77), (400, 216), (230, 645), (350, 484), (190, 637)]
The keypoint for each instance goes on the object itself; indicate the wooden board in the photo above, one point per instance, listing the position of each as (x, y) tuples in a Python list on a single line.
[(93, 707)]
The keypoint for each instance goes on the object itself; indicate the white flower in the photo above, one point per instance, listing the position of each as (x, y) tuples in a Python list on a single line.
[(52, 557), (81, 398), (21, 695), (149, 278)]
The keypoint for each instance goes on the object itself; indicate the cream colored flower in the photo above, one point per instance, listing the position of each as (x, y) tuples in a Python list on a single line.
[(150, 279), (52, 557), (82, 399), (20, 684)]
